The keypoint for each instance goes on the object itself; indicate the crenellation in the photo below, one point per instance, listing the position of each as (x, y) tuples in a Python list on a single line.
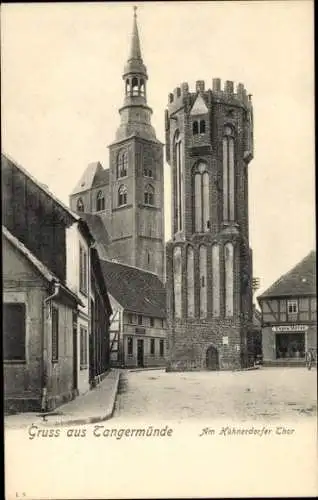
[(230, 94), (229, 87), (216, 84), (200, 86)]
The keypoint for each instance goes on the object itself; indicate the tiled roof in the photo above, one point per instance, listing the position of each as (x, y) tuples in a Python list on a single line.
[(6, 160), (101, 178), (96, 228), (42, 268), (136, 290), (300, 280)]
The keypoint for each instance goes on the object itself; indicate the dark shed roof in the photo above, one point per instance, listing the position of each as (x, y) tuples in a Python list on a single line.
[(300, 280), (136, 290)]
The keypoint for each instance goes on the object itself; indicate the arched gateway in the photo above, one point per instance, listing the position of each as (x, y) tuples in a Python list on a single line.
[(212, 358)]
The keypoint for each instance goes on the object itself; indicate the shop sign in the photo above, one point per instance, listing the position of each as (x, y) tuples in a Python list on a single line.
[(290, 328), (225, 340)]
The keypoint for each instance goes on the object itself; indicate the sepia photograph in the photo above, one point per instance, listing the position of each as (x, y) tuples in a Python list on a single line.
[(158, 249)]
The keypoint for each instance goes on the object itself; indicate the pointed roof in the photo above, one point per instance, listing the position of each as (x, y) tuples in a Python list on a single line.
[(135, 52), (135, 63), (199, 107), (94, 175), (300, 280)]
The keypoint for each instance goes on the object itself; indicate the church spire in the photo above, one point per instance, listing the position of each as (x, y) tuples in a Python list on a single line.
[(135, 113), (135, 52), (135, 65)]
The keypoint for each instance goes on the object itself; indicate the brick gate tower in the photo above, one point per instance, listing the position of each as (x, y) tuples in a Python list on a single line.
[(209, 144)]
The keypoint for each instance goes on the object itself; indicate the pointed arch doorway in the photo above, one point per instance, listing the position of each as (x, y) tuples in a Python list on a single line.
[(212, 358)]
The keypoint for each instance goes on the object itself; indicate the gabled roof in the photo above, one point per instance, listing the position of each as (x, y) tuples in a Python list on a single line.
[(300, 280), (199, 107), (94, 175), (41, 268), (135, 290), (13, 163), (97, 228)]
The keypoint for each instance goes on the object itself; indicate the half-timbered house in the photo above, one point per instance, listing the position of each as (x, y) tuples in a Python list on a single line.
[(289, 315)]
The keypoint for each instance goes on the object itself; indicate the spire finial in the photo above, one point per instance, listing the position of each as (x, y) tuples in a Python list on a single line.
[(135, 52)]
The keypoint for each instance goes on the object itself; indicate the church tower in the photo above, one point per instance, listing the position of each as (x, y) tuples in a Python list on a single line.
[(136, 173), (209, 144)]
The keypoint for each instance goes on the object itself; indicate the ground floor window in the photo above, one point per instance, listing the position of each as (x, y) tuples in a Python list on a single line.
[(14, 331), (83, 348), (290, 345), (152, 347), (162, 348), (130, 346)]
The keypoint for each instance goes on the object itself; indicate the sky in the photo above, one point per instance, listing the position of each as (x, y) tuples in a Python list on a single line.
[(62, 86)]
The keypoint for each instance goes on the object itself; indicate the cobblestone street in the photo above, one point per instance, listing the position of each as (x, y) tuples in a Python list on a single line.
[(265, 394)]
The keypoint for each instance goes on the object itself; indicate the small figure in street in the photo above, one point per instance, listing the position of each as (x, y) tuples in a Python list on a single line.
[(309, 358)]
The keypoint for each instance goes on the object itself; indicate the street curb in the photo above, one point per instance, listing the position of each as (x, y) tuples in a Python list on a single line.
[(87, 420), (147, 369)]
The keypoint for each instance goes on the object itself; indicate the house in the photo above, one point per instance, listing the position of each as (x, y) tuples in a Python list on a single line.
[(138, 325), (289, 315), (53, 278)]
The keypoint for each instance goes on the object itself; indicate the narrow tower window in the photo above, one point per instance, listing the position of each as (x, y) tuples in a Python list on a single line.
[(215, 280), (100, 201), (149, 195), (177, 277), (190, 281), (228, 174), (179, 180), (229, 279), (201, 198), (142, 87), (203, 288), (80, 205), (127, 87), (202, 127), (195, 128), (122, 164), (122, 196), (134, 85)]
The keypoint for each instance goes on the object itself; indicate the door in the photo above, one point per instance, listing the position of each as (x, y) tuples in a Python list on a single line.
[(75, 358), (212, 358), (140, 352)]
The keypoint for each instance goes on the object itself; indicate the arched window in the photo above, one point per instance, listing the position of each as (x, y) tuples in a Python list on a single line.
[(190, 282), (122, 195), (148, 172), (100, 201), (142, 87), (203, 282), (135, 86), (177, 278), (127, 86), (202, 127), (229, 278), (122, 164), (195, 128), (80, 205), (179, 180), (149, 195), (215, 280), (228, 174), (201, 199)]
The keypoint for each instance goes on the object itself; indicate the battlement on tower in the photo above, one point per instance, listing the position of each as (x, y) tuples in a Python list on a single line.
[(229, 93)]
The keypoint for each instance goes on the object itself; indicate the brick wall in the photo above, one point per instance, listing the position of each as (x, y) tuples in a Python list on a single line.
[(189, 339)]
